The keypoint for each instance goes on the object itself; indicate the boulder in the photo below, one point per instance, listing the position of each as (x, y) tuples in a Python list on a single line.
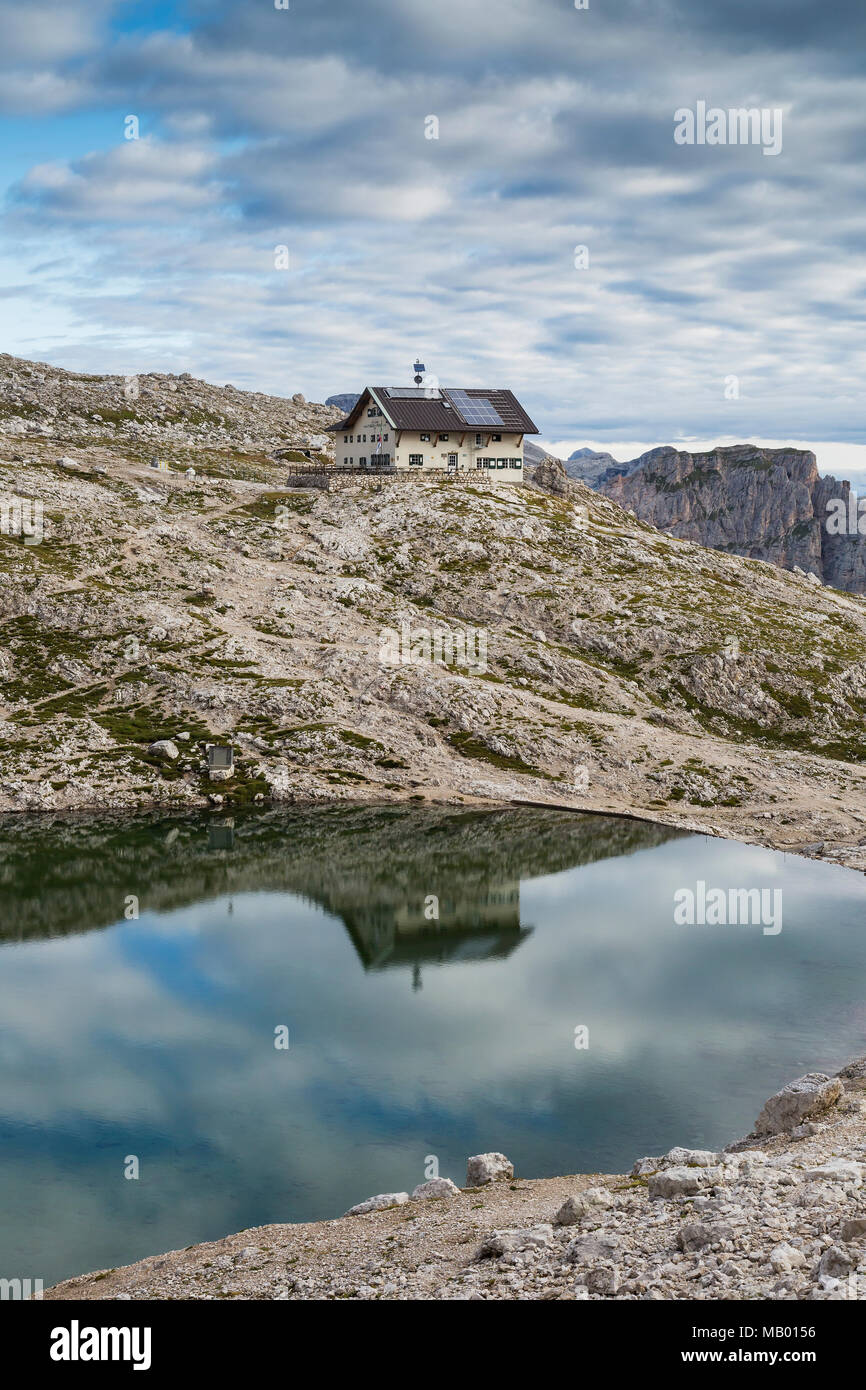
[(693, 1158), (854, 1228), (165, 749), (588, 1249), (550, 475), (484, 1168), (603, 1280), (575, 1208), (837, 1170), (696, 1234), (834, 1264), (646, 1165), (507, 1242), (785, 1257), (682, 1182), (809, 1095), (436, 1187), (380, 1203)]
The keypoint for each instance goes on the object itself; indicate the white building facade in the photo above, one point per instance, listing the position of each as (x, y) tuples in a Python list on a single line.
[(434, 429)]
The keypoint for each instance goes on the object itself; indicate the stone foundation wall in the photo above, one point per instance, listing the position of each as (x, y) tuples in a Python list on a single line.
[(340, 482)]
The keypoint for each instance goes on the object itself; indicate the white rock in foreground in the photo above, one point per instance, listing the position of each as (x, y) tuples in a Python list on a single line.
[(380, 1203), (484, 1168), (808, 1095)]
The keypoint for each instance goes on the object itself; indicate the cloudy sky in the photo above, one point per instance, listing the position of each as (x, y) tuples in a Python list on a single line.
[(307, 128)]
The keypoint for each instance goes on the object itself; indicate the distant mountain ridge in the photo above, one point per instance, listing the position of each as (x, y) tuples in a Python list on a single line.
[(593, 467), (345, 402), (765, 504)]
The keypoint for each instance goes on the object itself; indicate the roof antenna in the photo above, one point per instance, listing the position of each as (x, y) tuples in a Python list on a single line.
[(419, 370)]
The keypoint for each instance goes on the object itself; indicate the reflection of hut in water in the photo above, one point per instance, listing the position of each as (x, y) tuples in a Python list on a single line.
[(474, 923), (221, 836)]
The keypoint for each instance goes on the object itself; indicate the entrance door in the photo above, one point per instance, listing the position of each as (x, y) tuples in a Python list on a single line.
[(452, 460)]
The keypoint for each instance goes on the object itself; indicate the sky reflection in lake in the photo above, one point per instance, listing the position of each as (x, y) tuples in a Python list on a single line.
[(408, 1038)]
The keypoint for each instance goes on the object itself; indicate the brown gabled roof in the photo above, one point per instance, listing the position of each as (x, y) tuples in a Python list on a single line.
[(415, 408)]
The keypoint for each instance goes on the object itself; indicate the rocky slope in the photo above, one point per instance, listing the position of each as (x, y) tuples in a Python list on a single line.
[(768, 504), (778, 1215), (178, 418), (622, 669)]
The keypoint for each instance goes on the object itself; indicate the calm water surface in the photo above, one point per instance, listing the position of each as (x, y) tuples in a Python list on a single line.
[(408, 1038)]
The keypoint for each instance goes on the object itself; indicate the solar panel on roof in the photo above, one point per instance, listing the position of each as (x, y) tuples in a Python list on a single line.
[(476, 410), (413, 393)]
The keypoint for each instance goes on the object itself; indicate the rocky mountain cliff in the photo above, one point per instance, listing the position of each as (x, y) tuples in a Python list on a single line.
[(768, 504), (615, 668)]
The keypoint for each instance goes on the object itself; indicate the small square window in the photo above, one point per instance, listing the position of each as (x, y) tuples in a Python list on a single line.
[(425, 439), (496, 438), (444, 437)]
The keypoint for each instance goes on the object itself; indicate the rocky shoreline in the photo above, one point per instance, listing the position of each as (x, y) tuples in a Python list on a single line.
[(778, 1215)]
